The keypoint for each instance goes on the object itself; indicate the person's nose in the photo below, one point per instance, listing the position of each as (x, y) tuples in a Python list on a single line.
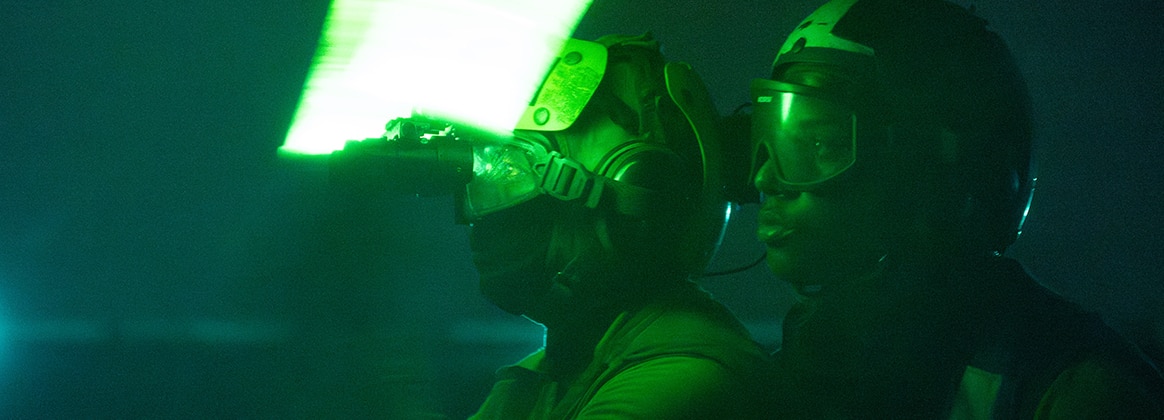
[(765, 181)]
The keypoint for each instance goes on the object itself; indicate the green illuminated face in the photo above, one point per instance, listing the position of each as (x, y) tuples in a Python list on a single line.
[(831, 230), (822, 237)]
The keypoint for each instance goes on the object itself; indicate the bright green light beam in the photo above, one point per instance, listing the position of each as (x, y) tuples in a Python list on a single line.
[(476, 62)]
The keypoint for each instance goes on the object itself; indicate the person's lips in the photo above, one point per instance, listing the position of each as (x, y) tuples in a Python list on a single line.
[(770, 229), (773, 236)]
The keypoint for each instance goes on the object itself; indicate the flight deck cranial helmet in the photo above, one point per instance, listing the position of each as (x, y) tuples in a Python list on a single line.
[(919, 83), (623, 137)]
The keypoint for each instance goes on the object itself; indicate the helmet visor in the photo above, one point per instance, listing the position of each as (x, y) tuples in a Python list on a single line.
[(802, 138)]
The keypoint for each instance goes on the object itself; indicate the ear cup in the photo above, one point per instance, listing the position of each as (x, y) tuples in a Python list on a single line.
[(984, 177), (665, 184), (1000, 201), (662, 185), (679, 161), (980, 197)]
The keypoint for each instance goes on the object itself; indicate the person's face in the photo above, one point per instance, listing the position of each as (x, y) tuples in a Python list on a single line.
[(826, 234), (510, 249), (519, 250), (817, 238)]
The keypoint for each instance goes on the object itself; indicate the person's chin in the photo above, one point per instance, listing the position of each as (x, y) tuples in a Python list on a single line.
[(513, 292), (781, 262), (788, 266)]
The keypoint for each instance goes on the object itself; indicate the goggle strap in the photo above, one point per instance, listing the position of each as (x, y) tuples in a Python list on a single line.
[(567, 180)]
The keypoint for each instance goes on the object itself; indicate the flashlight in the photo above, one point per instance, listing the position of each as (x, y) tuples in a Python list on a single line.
[(416, 156)]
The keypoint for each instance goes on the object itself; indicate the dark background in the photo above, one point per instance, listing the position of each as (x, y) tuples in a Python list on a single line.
[(158, 260)]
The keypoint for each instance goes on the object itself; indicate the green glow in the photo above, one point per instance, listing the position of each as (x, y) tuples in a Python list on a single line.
[(786, 108), (476, 62)]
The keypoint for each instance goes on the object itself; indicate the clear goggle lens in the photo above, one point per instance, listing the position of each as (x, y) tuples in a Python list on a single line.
[(503, 175), (804, 140)]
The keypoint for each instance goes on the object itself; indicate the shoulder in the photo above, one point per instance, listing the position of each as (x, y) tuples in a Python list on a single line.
[(1060, 358), (673, 387), (1099, 386), (697, 327), (677, 359)]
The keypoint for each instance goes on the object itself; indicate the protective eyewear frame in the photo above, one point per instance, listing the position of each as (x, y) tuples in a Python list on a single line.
[(776, 104)]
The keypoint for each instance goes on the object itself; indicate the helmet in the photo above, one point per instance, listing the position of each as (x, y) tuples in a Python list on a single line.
[(629, 143), (669, 165), (922, 84)]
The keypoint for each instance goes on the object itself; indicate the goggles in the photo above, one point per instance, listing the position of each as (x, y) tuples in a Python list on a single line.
[(510, 171), (507, 173), (803, 137)]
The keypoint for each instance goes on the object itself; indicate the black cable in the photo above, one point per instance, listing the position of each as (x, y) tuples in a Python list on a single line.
[(737, 269)]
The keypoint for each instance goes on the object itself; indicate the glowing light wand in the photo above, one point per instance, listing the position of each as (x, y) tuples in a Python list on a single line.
[(474, 62)]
